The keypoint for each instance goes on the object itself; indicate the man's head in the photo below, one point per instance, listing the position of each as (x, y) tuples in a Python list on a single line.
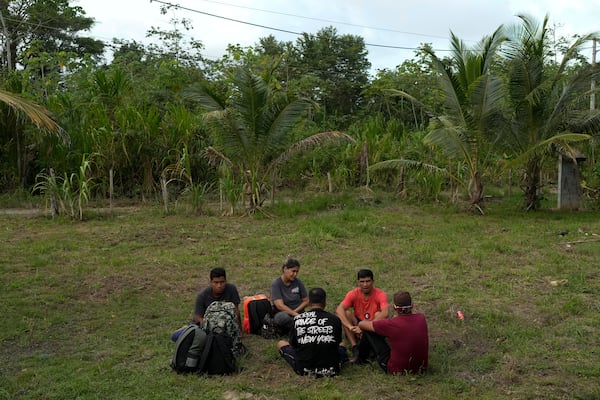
[(317, 298), (290, 269), (365, 280), (218, 280), (402, 302)]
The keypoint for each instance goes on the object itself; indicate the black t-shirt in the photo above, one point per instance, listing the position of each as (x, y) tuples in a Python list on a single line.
[(316, 337), (205, 298)]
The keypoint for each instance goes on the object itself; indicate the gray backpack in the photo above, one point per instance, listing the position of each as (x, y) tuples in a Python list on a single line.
[(188, 349)]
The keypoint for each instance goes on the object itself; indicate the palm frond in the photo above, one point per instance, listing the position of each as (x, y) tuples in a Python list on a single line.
[(276, 134), (489, 47), (205, 97), (566, 150), (451, 140), (215, 157), (574, 49), (310, 142), (486, 95), (546, 146), (36, 113), (412, 165), (453, 93), (587, 122), (250, 100), (412, 99)]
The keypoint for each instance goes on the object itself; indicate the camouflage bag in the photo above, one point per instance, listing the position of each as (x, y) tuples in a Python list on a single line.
[(220, 317)]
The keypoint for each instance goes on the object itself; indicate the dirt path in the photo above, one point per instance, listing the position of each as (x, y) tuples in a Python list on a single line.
[(38, 212), (30, 212)]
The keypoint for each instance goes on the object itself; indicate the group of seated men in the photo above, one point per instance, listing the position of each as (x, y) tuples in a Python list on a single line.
[(315, 345)]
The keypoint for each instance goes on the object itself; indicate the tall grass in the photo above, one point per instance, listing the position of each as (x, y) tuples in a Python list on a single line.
[(88, 307), (67, 194)]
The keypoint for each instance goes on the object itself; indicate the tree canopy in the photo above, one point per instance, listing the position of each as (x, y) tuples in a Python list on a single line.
[(475, 116)]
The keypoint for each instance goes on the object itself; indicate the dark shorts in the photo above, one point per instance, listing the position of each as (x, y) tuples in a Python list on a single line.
[(289, 354), (374, 344)]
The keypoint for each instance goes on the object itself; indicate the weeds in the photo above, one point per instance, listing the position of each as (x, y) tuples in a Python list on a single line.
[(88, 308), (181, 171), (67, 194)]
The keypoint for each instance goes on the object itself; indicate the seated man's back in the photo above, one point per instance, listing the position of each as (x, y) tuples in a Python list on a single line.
[(315, 340), (407, 334), (316, 336), (408, 342)]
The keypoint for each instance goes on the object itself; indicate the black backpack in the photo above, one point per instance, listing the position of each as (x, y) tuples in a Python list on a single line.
[(188, 349), (257, 310), (217, 356), (267, 328)]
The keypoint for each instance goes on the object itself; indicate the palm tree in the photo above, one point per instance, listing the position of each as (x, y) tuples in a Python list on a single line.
[(472, 102), (546, 100), (472, 106), (252, 130)]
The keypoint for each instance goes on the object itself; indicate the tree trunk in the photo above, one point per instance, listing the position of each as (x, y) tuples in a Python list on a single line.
[(7, 43), (53, 199), (476, 189), (165, 193), (110, 187), (401, 182), (19, 155), (531, 185)]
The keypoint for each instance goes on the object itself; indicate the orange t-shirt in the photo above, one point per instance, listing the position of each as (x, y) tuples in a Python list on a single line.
[(365, 310)]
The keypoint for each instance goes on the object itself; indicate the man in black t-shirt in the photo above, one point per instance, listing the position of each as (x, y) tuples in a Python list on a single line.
[(219, 290), (315, 341)]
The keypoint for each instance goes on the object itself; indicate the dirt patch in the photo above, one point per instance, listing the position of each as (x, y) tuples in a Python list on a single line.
[(103, 288), (26, 212), (41, 212)]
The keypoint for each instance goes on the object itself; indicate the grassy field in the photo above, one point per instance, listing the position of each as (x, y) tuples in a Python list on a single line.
[(87, 307)]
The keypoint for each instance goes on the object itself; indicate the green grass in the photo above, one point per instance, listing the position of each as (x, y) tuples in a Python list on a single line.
[(88, 307)]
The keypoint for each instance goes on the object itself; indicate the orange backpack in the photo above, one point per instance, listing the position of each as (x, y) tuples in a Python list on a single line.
[(255, 309)]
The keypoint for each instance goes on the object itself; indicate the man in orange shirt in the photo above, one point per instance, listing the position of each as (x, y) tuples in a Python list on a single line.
[(368, 303)]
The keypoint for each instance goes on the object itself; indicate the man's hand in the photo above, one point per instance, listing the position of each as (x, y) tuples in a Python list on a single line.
[(356, 330)]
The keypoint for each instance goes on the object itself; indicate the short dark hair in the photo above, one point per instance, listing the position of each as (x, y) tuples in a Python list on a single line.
[(365, 273), (402, 300), (217, 273), (291, 263), (317, 296)]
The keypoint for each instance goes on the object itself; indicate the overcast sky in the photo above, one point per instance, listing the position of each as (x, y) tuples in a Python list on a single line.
[(396, 23)]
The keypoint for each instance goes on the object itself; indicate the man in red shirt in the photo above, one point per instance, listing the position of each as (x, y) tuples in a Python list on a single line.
[(407, 334), (369, 304)]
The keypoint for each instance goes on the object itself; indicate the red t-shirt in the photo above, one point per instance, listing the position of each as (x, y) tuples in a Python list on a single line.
[(409, 342), (365, 310)]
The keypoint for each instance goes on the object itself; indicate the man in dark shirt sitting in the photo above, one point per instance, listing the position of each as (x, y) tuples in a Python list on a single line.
[(315, 341), (219, 290)]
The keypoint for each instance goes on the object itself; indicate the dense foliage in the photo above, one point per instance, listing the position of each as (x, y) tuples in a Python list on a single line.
[(494, 115)]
